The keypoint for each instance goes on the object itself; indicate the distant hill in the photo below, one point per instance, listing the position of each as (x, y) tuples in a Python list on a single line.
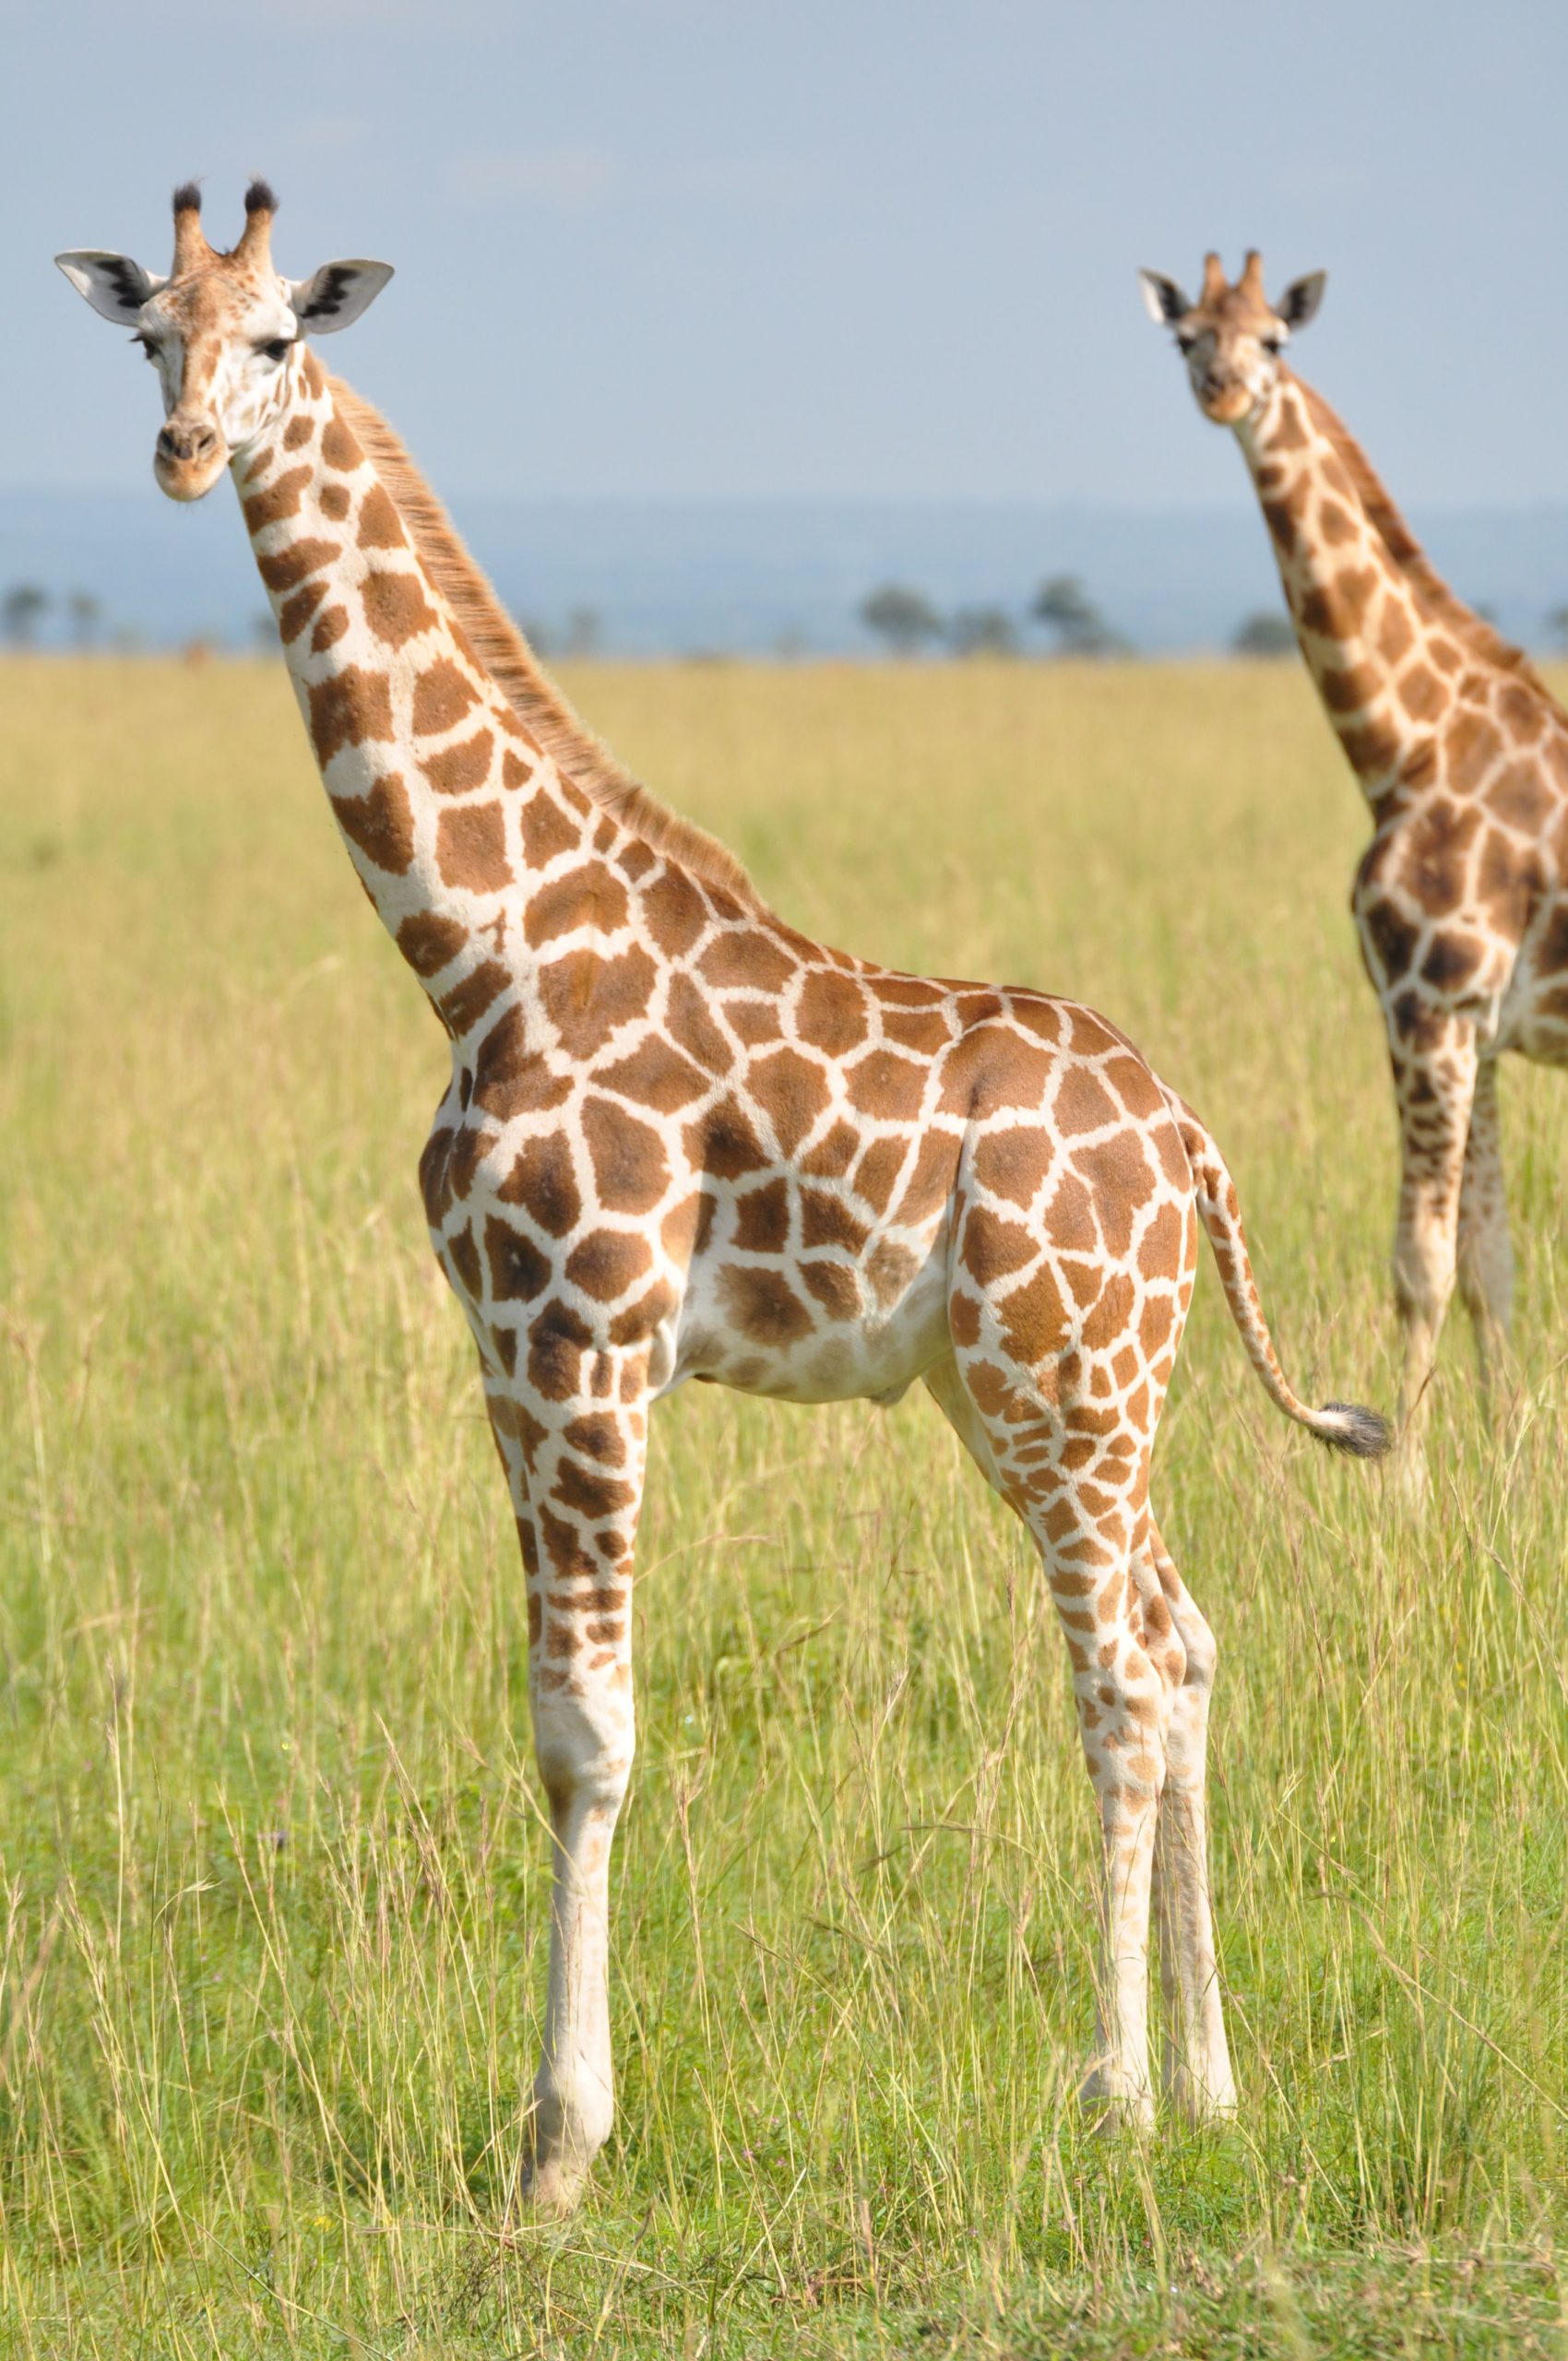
[(759, 576)]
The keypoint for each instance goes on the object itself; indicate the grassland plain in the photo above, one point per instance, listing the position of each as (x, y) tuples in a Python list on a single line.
[(271, 1863)]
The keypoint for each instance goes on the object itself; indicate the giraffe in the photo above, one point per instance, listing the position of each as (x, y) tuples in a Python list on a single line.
[(681, 1141), (1461, 898)]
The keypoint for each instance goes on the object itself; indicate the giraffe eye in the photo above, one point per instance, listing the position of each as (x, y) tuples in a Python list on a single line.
[(1275, 344), (149, 350), (1185, 343), (277, 350)]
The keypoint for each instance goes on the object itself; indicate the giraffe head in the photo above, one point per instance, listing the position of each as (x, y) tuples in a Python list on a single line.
[(1232, 337), (219, 330)]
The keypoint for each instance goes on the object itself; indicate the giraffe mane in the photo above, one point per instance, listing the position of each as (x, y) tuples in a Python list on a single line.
[(1487, 645), (505, 655)]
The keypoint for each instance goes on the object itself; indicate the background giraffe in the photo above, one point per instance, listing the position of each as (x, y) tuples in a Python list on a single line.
[(682, 1140), (1462, 752)]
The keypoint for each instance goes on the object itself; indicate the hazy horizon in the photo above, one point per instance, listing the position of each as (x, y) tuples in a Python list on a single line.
[(664, 249), (718, 576)]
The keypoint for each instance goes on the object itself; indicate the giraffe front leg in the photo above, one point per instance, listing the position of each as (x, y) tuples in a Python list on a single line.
[(1485, 1250), (583, 1740), (1197, 2073), (577, 1473), (1434, 1073)]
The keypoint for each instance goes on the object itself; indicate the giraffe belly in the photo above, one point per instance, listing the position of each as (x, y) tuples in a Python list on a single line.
[(861, 1328)]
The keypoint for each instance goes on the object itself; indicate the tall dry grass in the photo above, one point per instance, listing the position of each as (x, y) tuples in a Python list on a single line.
[(271, 1868)]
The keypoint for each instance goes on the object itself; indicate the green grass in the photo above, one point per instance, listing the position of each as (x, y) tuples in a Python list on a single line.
[(271, 1864)]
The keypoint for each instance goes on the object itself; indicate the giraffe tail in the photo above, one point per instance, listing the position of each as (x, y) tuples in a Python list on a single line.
[(1343, 1426)]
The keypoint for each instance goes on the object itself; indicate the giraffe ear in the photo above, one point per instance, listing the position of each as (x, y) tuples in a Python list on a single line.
[(1300, 302), (115, 285), (1163, 299), (334, 296)]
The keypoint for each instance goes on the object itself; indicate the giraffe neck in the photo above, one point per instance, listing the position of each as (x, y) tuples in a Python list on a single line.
[(1384, 638), (449, 810)]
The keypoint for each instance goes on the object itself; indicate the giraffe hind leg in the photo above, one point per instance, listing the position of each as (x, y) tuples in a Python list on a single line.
[(1197, 2075), (1485, 1250), (1122, 1689), (1435, 1074)]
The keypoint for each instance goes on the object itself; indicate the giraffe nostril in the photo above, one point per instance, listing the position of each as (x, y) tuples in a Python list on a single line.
[(188, 441)]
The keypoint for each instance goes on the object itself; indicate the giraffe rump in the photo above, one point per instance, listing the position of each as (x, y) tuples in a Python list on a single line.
[(516, 671)]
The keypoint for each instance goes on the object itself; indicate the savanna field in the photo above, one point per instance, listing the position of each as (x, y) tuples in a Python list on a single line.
[(272, 1863)]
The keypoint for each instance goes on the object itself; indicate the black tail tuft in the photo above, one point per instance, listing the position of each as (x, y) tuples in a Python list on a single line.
[(1364, 1434), (187, 198)]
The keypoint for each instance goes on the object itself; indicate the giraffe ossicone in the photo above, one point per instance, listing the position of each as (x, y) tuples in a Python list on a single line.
[(680, 1140), (1461, 897)]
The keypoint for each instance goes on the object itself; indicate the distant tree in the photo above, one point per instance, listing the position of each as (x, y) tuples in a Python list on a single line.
[(263, 632), (1066, 608), (982, 631), (21, 609), (903, 618), (583, 632), (1265, 631), (539, 636), (1557, 624), (85, 613)]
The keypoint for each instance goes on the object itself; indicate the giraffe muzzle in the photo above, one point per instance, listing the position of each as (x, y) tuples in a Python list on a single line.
[(189, 457), (1226, 400)]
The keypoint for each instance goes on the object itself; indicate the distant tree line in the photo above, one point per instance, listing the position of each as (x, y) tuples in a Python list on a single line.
[(908, 625), (25, 605), (1268, 631), (902, 618)]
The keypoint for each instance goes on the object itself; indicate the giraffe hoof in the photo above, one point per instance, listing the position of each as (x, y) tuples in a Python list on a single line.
[(550, 2188)]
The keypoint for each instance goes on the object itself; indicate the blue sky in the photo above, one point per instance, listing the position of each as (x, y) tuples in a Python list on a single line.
[(836, 247)]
